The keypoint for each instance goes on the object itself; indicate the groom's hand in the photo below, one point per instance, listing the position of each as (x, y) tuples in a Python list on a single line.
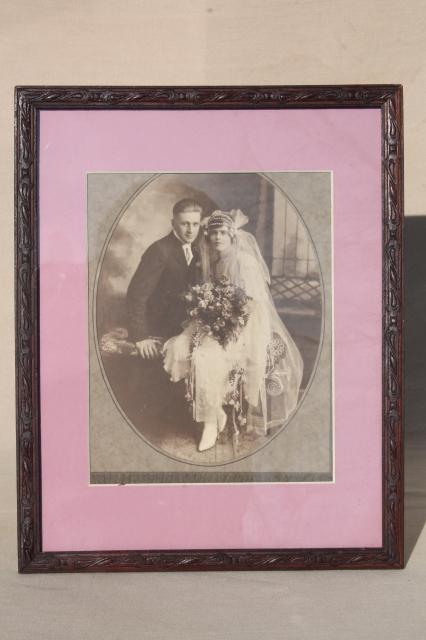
[(149, 348)]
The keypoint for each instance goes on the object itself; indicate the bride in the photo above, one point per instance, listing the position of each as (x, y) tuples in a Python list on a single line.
[(254, 379)]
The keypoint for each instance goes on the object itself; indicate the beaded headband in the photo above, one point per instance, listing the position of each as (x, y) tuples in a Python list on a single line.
[(233, 220), (219, 219)]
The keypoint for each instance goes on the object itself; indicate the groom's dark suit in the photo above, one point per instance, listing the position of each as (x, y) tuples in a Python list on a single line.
[(155, 304), (156, 309)]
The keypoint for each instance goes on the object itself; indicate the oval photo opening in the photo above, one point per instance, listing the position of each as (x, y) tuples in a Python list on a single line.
[(208, 314)]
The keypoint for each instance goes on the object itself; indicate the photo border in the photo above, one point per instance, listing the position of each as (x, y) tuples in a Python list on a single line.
[(270, 477), (28, 103)]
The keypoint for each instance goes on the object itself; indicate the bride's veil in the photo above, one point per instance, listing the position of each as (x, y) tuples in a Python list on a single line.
[(278, 383)]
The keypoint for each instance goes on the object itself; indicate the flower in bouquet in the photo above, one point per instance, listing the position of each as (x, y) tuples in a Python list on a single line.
[(219, 309)]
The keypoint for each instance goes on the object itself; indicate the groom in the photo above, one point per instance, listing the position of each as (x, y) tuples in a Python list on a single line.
[(156, 309)]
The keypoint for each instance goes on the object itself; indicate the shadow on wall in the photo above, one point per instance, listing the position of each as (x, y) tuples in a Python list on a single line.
[(415, 380), (415, 317)]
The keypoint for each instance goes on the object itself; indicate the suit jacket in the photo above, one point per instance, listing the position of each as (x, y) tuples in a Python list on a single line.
[(155, 305)]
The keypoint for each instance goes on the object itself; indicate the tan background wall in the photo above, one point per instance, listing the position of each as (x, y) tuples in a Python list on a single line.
[(205, 42)]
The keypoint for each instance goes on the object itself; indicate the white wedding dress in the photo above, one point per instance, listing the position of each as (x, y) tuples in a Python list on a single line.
[(264, 352)]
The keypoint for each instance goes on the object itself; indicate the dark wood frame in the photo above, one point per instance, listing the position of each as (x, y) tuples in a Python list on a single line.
[(28, 102)]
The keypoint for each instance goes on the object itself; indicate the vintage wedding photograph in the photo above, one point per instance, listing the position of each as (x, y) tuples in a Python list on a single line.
[(209, 322)]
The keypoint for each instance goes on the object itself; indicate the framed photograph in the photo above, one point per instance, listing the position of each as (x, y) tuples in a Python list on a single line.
[(209, 328)]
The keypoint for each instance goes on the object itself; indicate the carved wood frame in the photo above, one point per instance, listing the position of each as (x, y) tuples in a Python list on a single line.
[(28, 102)]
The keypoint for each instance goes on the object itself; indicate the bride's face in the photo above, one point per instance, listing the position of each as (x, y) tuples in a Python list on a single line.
[(220, 239)]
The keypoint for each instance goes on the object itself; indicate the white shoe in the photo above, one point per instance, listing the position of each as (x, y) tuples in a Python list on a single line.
[(222, 420), (209, 437)]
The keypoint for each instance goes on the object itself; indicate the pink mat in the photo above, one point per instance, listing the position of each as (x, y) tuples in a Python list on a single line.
[(77, 516)]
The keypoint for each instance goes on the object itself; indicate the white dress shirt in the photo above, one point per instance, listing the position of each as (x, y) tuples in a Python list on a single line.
[(187, 250)]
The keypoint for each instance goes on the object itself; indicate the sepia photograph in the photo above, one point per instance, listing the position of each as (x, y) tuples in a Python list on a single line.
[(209, 307)]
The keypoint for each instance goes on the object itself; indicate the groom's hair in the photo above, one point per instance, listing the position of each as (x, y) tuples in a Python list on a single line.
[(186, 204)]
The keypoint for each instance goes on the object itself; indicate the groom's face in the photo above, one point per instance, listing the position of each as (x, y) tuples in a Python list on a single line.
[(187, 225)]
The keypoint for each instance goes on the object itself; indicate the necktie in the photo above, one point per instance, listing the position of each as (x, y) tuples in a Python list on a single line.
[(188, 253)]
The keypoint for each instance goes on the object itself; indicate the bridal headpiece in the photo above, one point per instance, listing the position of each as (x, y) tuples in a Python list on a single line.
[(233, 220)]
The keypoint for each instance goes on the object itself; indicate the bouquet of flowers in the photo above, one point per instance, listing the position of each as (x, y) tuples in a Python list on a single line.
[(218, 309)]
